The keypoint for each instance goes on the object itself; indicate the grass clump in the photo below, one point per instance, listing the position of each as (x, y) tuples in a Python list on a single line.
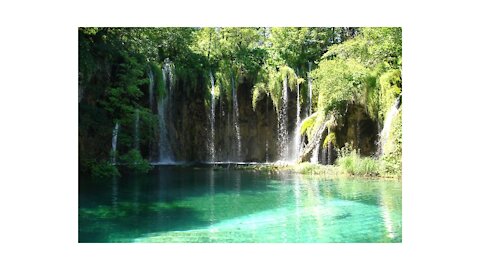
[(316, 169), (352, 163)]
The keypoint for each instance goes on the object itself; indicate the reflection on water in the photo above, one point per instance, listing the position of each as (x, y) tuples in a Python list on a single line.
[(212, 197), (388, 208), (115, 193), (176, 204), (297, 204)]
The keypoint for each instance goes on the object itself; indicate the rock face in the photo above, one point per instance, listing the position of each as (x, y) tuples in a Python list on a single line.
[(359, 130), (355, 128), (188, 121), (189, 127), (258, 129)]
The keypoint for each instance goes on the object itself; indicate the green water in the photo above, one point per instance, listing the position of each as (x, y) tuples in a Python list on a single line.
[(175, 204)]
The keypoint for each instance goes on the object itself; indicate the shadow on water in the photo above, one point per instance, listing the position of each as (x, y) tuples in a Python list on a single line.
[(127, 221), (123, 208)]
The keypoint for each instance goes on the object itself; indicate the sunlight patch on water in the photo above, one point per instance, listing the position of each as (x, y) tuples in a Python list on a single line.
[(323, 221)]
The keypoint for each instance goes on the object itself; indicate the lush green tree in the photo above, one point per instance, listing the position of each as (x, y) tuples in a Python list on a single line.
[(112, 68), (340, 82), (365, 69), (373, 46)]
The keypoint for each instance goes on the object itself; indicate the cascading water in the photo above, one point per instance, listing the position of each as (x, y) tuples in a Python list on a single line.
[(266, 139), (314, 158), (235, 120), (309, 89), (212, 119), (222, 154), (296, 138), (136, 131), (150, 88), (228, 138), (151, 84), (164, 150), (114, 143), (387, 125), (282, 121)]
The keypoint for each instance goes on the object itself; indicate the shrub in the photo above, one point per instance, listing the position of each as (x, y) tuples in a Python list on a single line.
[(392, 156), (104, 169), (134, 161)]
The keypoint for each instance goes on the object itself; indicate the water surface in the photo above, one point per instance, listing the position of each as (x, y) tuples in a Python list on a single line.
[(187, 204)]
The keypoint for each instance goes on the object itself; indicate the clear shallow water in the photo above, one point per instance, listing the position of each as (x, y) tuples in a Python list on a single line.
[(175, 204)]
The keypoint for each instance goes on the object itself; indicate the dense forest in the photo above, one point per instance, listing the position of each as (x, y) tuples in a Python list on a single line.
[(292, 94)]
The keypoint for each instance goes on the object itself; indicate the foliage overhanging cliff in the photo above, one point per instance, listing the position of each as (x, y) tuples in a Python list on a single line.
[(348, 76)]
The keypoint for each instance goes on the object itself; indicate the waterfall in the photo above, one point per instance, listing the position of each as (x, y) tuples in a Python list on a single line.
[(151, 84), (212, 119), (150, 88), (283, 121), (164, 149), (296, 138), (223, 147), (81, 92), (266, 139), (227, 137), (114, 143), (314, 158), (309, 89), (387, 125), (136, 131), (298, 104), (235, 120)]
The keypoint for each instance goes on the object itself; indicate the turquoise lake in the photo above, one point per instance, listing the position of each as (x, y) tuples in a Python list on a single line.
[(205, 205)]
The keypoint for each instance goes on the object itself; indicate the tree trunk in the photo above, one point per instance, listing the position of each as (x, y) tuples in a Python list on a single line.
[(317, 138)]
